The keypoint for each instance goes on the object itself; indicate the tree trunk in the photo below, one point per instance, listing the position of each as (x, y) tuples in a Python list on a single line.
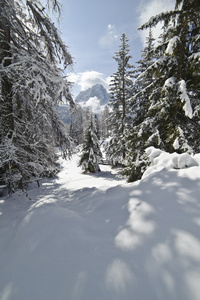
[(182, 48), (123, 115)]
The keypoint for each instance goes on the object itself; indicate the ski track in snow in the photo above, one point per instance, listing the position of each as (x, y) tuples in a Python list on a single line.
[(96, 237)]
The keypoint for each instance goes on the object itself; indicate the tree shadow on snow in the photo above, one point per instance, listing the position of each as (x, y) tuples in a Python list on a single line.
[(136, 241), (161, 236)]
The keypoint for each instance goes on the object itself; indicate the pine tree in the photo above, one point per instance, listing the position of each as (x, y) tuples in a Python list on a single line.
[(32, 84), (177, 81), (120, 91), (172, 117), (91, 153), (139, 105)]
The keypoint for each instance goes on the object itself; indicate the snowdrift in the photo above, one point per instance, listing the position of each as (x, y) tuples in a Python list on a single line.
[(86, 237)]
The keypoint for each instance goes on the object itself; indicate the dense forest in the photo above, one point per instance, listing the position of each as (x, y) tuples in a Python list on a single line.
[(154, 103), (32, 58)]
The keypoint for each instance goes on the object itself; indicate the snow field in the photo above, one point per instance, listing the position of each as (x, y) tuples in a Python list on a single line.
[(89, 237)]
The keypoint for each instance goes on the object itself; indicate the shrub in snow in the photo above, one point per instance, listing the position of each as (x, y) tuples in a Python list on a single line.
[(137, 169), (115, 150)]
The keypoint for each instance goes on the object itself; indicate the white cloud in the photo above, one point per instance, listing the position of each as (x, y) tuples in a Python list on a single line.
[(88, 79), (151, 8), (94, 104), (110, 27), (110, 37)]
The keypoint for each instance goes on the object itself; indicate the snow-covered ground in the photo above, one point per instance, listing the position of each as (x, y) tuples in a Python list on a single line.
[(96, 237)]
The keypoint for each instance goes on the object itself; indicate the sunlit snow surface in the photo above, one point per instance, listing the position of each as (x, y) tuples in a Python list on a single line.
[(96, 237)]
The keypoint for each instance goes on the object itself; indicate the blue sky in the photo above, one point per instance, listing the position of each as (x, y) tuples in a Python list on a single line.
[(92, 29)]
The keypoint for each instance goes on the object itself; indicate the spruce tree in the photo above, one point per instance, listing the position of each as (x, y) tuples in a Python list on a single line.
[(139, 105), (177, 80), (120, 92), (172, 118), (91, 153)]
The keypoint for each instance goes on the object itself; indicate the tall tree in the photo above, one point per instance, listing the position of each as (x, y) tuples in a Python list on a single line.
[(120, 91), (139, 105), (32, 84), (172, 117), (177, 76)]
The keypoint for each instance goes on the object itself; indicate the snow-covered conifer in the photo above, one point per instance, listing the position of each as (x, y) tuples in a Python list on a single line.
[(32, 84), (139, 103), (121, 88), (91, 153), (171, 120)]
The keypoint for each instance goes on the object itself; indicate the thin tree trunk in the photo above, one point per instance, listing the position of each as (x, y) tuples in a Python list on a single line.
[(181, 57)]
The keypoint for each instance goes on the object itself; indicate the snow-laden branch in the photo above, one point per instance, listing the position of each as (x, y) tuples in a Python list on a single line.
[(172, 45), (185, 99)]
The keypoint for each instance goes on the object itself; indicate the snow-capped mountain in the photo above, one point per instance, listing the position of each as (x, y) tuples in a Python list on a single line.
[(94, 98), (96, 92)]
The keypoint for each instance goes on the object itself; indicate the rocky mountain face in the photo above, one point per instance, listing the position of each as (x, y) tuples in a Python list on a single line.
[(97, 91), (95, 98)]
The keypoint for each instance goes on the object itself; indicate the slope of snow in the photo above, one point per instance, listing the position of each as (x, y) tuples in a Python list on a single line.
[(86, 237)]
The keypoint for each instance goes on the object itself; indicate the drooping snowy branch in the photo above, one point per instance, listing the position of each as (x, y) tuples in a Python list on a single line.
[(171, 45), (32, 84), (185, 99)]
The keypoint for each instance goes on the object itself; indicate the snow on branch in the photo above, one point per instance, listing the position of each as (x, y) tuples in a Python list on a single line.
[(195, 56), (171, 45), (185, 99), (169, 83), (153, 21)]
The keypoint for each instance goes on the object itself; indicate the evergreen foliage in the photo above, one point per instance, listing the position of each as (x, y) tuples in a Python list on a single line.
[(120, 91), (136, 161), (31, 86), (161, 108), (91, 153), (139, 103), (170, 113)]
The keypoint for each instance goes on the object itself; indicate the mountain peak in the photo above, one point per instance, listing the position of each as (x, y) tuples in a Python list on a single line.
[(97, 91)]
